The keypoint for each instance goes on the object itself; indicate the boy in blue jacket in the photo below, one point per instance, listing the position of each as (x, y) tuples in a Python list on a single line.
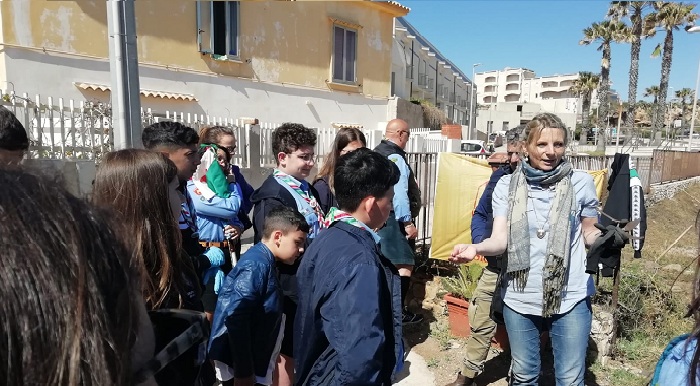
[(248, 322), (349, 311)]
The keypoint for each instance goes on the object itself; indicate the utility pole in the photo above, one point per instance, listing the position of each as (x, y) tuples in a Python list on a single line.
[(124, 70)]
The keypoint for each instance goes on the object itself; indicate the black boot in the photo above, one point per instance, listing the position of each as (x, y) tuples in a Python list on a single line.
[(462, 381)]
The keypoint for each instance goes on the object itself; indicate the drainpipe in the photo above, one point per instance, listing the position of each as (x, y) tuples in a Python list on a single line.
[(123, 67), (436, 80), (410, 91)]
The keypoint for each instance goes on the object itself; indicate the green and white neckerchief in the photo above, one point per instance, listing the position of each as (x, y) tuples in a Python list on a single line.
[(296, 186), (335, 214)]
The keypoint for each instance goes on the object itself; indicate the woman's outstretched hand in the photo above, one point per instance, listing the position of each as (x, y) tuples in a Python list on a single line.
[(463, 253)]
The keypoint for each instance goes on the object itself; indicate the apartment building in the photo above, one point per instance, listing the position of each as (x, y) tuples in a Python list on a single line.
[(317, 63), (512, 96), (420, 72)]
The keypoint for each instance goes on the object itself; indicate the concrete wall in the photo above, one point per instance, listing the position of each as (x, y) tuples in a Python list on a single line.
[(409, 112), (216, 95)]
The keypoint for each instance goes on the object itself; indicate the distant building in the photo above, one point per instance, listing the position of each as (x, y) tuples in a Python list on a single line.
[(420, 72), (513, 96)]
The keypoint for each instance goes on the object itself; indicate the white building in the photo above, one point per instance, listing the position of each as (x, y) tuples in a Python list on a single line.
[(420, 72), (513, 96)]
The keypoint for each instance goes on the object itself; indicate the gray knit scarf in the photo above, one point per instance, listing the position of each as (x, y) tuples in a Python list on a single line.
[(559, 234)]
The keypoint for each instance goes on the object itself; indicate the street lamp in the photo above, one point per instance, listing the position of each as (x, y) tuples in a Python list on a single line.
[(693, 29), (471, 101)]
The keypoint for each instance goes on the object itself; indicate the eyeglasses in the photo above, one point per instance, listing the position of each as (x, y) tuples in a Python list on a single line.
[(306, 157), (230, 149), (401, 132)]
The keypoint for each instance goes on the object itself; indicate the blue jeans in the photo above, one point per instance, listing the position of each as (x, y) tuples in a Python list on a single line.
[(569, 336)]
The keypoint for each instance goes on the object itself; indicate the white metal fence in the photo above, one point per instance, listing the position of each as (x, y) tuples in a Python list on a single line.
[(60, 129)]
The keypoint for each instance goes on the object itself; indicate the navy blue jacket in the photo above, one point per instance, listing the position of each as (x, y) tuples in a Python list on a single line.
[(268, 196), (248, 314), (482, 221), (349, 314), (246, 203), (326, 198)]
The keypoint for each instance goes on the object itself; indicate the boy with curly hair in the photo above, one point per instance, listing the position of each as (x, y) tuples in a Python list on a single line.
[(293, 147)]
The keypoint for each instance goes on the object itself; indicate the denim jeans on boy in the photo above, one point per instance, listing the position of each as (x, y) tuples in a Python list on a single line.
[(569, 336)]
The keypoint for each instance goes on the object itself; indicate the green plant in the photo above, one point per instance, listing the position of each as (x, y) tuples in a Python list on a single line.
[(433, 362), (464, 284)]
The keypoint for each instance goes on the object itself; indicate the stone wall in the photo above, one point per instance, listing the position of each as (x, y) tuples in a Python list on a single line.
[(665, 191), (409, 112)]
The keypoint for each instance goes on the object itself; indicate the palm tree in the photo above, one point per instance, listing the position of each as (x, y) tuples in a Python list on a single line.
[(652, 91), (583, 87), (685, 95), (606, 32), (642, 28), (669, 17), (648, 92)]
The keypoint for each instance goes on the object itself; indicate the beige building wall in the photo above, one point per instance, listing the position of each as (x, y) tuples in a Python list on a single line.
[(59, 49), (281, 42)]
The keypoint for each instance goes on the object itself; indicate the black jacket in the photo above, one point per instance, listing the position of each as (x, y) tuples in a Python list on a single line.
[(387, 148), (621, 203), (268, 196), (325, 194)]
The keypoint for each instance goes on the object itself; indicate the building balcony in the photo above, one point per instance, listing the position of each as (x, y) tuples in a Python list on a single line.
[(512, 86), (513, 78)]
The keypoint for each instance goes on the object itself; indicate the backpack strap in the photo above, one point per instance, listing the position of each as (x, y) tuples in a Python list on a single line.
[(197, 333)]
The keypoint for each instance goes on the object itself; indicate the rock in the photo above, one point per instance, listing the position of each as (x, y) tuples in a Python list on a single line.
[(601, 332)]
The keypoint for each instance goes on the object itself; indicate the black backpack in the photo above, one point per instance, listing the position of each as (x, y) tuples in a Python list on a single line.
[(181, 344)]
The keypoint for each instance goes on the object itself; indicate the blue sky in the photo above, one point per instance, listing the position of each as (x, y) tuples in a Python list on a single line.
[(543, 36)]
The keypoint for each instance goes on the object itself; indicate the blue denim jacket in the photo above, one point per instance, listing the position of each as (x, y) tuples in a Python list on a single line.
[(212, 215), (248, 314)]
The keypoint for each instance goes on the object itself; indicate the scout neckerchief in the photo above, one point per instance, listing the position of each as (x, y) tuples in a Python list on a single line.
[(296, 186), (335, 214)]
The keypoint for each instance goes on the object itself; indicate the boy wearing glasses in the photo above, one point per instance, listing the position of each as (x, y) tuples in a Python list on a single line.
[(293, 147)]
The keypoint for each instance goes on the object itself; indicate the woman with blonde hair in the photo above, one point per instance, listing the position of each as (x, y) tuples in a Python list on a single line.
[(346, 140), (543, 216)]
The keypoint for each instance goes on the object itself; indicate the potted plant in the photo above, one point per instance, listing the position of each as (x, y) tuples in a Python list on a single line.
[(459, 291)]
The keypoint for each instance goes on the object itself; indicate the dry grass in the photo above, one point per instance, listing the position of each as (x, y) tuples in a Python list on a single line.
[(655, 290)]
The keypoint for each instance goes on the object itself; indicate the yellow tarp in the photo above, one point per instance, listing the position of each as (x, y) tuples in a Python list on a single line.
[(460, 182)]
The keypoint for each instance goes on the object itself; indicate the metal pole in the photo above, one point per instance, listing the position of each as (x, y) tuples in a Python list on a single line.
[(123, 67), (471, 97), (472, 102), (619, 122), (695, 106)]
